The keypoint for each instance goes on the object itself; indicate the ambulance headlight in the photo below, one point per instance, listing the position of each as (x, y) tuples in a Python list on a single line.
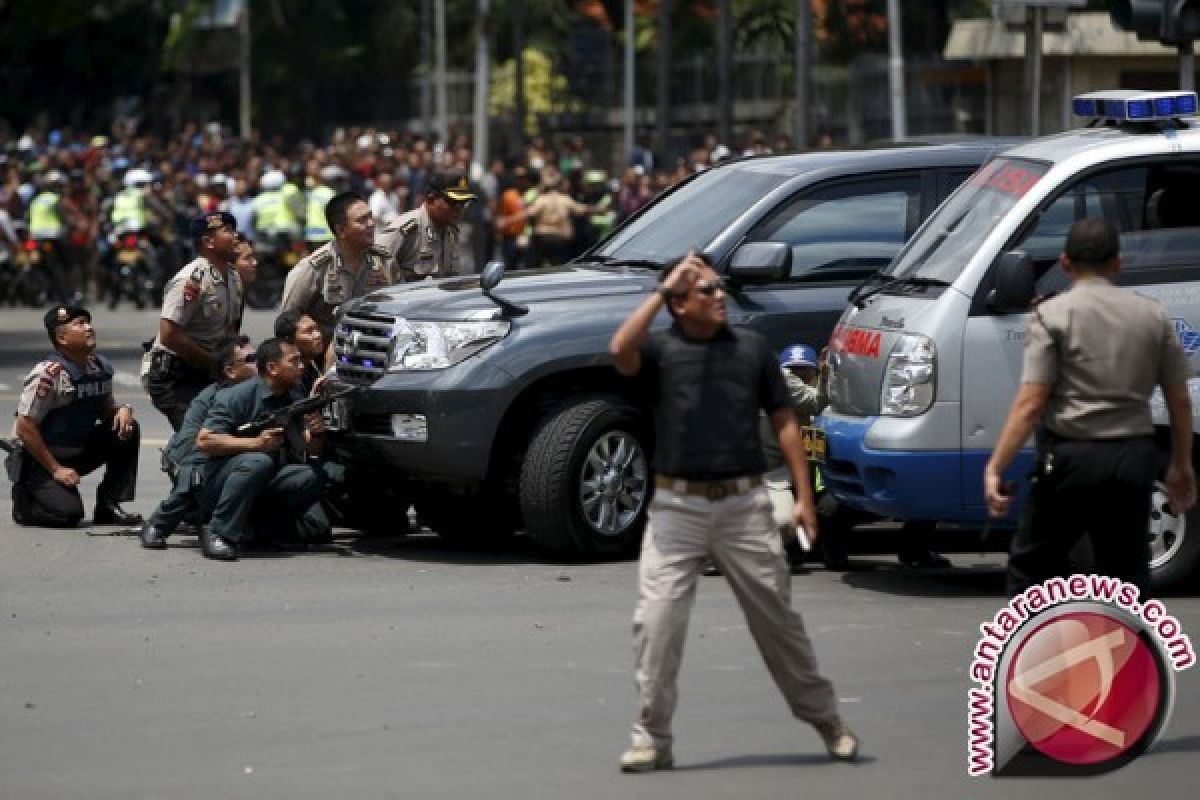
[(910, 379)]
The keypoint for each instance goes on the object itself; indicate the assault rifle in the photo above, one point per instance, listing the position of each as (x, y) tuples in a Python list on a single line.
[(280, 416)]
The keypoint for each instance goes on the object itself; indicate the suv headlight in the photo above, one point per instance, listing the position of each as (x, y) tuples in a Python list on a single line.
[(910, 379), (437, 345)]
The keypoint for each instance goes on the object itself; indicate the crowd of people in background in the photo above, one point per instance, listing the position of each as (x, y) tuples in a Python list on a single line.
[(76, 195)]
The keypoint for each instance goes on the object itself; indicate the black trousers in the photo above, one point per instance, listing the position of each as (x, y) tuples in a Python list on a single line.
[(173, 391), (1100, 489), (40, 500), (551, 251)]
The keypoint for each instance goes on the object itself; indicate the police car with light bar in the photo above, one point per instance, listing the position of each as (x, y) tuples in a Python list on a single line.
[(925, 361)]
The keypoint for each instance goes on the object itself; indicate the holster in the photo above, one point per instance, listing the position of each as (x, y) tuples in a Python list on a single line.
[(163, 364), (169, 465), (14, 461)]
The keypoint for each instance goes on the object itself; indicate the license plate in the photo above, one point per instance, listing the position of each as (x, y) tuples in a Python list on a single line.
[(129, 256), (814, 444)]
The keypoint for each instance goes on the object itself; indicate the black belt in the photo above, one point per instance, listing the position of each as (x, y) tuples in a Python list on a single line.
[(167, 363), (712, 490)]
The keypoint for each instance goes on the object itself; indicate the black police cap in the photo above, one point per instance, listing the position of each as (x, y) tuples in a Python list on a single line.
[(61, 315), (452, 183), (207, 223)]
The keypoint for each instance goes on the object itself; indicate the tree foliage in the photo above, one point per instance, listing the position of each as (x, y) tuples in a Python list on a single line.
[(318, 64)]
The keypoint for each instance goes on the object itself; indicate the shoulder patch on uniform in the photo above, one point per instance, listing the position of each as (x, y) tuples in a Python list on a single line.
[(321, 259), (409, 225), (197, 274), (51, 368)]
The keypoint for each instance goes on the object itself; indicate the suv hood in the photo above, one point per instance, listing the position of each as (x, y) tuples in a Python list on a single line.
[(460, 298)]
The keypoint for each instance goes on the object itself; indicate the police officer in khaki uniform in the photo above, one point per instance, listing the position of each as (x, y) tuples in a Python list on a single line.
[(1093, 356), (202, 304), (424, 243), (350, 266), (68, 425)]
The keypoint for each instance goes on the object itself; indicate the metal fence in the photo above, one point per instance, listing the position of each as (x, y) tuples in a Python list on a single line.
[(850, 104)]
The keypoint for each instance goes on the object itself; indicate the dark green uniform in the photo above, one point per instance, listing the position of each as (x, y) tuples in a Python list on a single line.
[(181, 461), (281, 481)]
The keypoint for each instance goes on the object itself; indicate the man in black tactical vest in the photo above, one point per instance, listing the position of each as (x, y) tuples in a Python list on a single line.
[(68, 425)]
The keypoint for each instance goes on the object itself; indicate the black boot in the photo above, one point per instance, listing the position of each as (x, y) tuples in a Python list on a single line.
[(109, 513), (217, 547), (153, 538)]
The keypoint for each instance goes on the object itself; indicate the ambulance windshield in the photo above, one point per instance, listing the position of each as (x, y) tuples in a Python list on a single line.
[(956, 231)]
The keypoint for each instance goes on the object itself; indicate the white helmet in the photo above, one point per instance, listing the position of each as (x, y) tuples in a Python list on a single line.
[(332, 173), (137, 177), (272, 180)]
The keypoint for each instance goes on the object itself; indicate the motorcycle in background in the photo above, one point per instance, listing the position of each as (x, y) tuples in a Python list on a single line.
[(134, 264), (276, 256), (29, 285)]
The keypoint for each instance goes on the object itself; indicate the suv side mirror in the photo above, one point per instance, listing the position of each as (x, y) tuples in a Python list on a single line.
[(761, 262), (1014, 288), (492, 274)]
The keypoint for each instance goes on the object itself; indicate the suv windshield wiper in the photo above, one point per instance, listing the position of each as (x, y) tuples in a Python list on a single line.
[(613, 261), (862, 286), (892, 283)]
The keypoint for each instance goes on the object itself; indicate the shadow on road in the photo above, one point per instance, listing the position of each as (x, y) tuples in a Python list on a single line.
[(888, 577), (427, 547), (770, 760), (1184, 744)]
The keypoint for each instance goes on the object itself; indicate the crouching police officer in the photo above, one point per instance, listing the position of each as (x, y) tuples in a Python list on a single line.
[(267, 470), (202, 304), (68, 425), (180, 458), (349, 266)]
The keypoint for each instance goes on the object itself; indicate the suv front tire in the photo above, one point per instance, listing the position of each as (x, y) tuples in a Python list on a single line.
[(585, 482)]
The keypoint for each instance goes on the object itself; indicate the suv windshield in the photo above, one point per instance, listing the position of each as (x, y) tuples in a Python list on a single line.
[(955, 232), (692, 216)]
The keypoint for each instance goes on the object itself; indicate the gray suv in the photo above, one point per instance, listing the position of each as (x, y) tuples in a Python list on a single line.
[(496, 409)]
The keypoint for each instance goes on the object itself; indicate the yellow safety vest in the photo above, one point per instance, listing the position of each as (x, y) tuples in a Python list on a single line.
[(292, 198), (44, 221), (129, 210), (267, 211), (316, 229)]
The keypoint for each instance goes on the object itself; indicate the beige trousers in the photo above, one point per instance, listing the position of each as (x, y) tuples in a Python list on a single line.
[(741, 535)]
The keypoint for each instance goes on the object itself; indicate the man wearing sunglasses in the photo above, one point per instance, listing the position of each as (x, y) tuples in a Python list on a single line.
[(708, 382), (424, 243)]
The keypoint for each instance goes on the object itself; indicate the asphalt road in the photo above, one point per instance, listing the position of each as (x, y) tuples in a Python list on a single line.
[(396, 668)]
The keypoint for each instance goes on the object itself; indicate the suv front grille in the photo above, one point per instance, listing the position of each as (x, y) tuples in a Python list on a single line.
[(360, 344)]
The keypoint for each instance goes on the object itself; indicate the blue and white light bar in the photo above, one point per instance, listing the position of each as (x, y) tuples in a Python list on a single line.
[(1132, 105)]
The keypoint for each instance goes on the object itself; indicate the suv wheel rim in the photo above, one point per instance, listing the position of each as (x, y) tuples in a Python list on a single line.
[(613, 485), (1166, 530)]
